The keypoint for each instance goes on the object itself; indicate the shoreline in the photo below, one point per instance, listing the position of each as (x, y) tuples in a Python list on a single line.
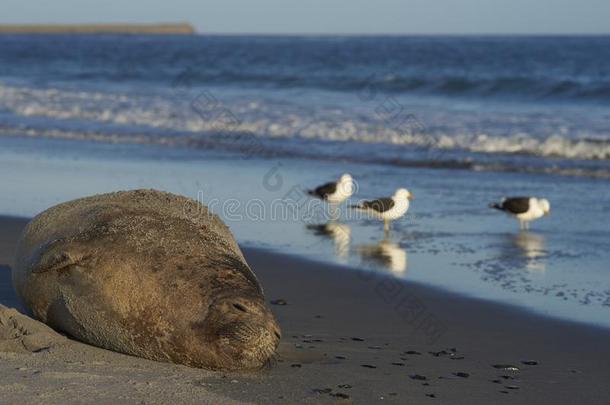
[(348, 337), (372, 275)]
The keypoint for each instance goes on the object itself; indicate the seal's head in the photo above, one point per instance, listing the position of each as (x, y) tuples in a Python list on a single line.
[(242, 330)]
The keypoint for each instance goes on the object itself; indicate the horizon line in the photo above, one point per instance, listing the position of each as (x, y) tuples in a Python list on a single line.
[(107, 27)]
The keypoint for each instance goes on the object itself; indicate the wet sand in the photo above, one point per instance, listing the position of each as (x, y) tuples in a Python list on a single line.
[(348, 337)]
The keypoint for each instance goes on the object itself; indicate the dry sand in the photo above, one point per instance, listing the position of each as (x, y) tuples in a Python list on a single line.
[(349, 337)]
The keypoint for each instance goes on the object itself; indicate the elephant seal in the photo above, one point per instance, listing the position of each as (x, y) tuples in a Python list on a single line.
[(146, 273)]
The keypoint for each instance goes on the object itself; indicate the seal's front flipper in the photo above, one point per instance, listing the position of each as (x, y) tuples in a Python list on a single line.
[(54, 256)]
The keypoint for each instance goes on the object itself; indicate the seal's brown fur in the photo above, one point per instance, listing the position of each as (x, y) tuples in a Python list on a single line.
[(146, 273)]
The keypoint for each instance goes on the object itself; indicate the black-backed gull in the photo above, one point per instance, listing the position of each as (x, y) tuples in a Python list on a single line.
[(335, 192), (389, 208), (524, 209)]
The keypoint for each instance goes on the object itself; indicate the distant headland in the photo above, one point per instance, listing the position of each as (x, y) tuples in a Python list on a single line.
[(160, 29)]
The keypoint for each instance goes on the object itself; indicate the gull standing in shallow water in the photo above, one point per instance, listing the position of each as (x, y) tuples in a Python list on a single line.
[(335, 192), (524, 209), (389, 208)]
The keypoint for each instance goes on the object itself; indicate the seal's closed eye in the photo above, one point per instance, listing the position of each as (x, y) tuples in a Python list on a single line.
[(54, 256)]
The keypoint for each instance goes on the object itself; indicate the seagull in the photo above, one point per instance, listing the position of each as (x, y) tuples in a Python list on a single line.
[(389, 208), (335, 192), (525, 209)]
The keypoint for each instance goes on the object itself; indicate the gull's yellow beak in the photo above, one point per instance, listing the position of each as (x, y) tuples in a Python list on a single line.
[(411, 197)]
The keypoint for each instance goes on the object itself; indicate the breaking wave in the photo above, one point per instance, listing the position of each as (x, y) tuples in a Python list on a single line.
[(165, 116)]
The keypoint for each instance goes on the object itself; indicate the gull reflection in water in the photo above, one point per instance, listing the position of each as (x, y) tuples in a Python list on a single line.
[(532, 247), (338, 232), (387, 254)]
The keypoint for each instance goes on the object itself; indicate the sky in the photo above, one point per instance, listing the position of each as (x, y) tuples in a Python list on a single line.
[(329, 16)]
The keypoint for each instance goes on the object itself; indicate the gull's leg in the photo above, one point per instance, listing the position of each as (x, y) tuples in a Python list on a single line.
[(333, 212)]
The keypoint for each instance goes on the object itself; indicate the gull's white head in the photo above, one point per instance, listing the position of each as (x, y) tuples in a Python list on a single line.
[(346, 178), (545, 205), (403, 194), (346, 185)]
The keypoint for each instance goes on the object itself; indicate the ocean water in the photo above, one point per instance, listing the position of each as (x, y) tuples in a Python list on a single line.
[(247, 123)]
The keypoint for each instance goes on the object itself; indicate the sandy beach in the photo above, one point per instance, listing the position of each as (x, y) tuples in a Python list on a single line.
[(348, 337)]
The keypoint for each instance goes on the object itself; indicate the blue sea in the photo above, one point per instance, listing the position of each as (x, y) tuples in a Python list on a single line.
[(459, 121)]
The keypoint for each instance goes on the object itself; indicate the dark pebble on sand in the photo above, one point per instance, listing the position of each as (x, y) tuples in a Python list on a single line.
[(340, 395), (357, 339), (318, 317), (496, 381), (451, 353), (461, 374), (340, 357), (322, 390), (344, 386), (398, 364), (418, 377), (295, 366), (530, 362), (511, 387), (507, 377), (368, 366), (507, 367), (279, 302), (439, 354), (425, 384), (431, 395), (504, 392), (412, 352), (375, 347)]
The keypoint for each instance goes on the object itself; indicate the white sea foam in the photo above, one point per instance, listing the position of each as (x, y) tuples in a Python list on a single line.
[(90, 113)]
